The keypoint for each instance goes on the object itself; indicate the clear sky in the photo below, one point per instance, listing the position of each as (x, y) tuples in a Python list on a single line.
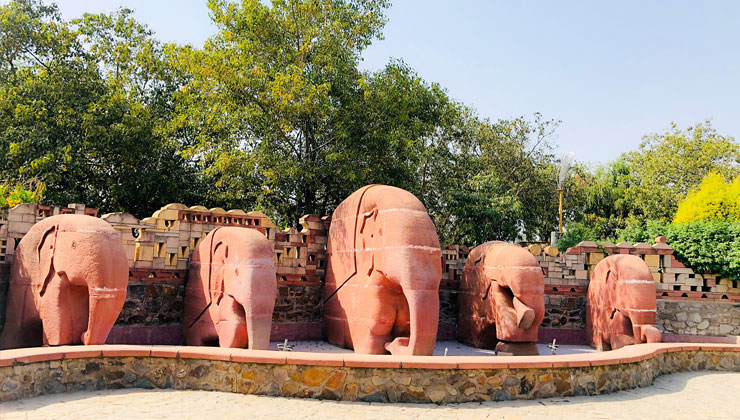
[(611, 71)]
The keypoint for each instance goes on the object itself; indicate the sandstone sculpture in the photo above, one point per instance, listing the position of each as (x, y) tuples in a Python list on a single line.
[(231, 289), (383, 275), (501, 301), (67, 283), (621, 305)]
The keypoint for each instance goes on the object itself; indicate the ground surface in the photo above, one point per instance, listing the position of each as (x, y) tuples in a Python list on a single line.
[(453, 348), (695, 395)]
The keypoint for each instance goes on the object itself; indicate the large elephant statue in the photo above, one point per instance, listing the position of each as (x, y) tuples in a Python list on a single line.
[(231, 290), (67, 283), (621, 305), (501, 300), (382, 281)]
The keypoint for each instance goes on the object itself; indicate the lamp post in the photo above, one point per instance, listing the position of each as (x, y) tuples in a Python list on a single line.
[(562, 177)]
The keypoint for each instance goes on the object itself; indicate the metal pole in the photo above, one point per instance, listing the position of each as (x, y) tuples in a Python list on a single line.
[(560, 193)]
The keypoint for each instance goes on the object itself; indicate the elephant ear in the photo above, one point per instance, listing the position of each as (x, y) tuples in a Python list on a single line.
[(45, 251), (219, 288), (369, 237), (344, 237)]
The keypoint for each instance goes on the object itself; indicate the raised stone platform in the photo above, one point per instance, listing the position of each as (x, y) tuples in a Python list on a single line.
[(454, 348), (348, 376)]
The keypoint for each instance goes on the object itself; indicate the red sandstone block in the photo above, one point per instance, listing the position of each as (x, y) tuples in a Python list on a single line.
[(35, 354), (258, 356), (166, 351), (427, 362), (206, 353), (690, 347), (371, 361), (124, 350), (633, 354), (528, 362), (480, 362), (6, 361), (315, 359), (82, 352), (572, 360), (604, 358), (720, 347)]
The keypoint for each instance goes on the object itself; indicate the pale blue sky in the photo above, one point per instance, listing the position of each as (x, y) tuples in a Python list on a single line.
[(610, 71)]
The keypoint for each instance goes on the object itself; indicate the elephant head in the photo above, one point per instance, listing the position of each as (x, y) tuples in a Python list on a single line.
[(382, 281), (231, 289), (621, 304), (501, 300), (68, 283)]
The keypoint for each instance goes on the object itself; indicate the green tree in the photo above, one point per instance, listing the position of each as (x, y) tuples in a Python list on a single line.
[(80, 103), (669, 164)]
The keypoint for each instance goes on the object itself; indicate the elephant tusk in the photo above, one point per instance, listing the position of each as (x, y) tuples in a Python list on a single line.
[(524, 314)]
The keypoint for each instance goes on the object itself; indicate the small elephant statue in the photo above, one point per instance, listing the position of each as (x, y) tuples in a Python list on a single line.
[(382, 281), (621, 304), (231, 290), (67, 283), (501, 300)]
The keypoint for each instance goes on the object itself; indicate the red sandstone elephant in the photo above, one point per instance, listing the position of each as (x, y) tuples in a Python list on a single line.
[(620, 309), (231, 290), (382, 279), (501, 300), (67, 283)]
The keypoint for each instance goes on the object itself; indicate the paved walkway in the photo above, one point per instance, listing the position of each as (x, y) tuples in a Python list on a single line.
[(696, 395)]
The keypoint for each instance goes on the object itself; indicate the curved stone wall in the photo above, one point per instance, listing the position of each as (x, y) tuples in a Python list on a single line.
[(38, 371)]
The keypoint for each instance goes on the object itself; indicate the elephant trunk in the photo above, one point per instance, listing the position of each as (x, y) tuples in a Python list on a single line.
[(646, 333), (524, 314), (423, 318)]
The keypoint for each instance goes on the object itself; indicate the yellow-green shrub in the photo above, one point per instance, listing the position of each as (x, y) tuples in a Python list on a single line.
[(715, 199)]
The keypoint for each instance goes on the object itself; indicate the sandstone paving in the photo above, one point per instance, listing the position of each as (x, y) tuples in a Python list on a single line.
[(690, 395)]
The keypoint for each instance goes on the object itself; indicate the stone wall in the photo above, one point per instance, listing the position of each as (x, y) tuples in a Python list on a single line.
[(699, 318), (235, 370), (297, 303), (565, 312)]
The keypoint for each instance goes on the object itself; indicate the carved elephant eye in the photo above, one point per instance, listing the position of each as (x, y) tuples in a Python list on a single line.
[(236, 271), (74, 244)]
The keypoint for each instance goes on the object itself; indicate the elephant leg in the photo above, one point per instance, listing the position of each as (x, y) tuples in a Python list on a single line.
[(202, 332), (647, 333), (22, 322), (423, 323), (231, 326), (620, 330), (105, 305), (64, 312), (372, 318)]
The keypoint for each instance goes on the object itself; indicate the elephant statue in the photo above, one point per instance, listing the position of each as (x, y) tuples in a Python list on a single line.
[(67, 283), (381, 292), (231, 290), (501, 300), (620, 306)]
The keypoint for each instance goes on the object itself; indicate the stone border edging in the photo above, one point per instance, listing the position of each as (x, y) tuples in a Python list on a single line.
[(349, 376), (628, 354)]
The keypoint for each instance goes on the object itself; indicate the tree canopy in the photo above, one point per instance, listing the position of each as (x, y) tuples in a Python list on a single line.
[(273, 112)]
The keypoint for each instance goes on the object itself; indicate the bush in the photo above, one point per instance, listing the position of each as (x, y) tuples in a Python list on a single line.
[(592, 229), (710, 245), (715, 199), (637, 229), (11, 196)]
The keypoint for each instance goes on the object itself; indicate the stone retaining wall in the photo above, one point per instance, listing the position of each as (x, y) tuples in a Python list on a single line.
[(33, 372), (699, 318)]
